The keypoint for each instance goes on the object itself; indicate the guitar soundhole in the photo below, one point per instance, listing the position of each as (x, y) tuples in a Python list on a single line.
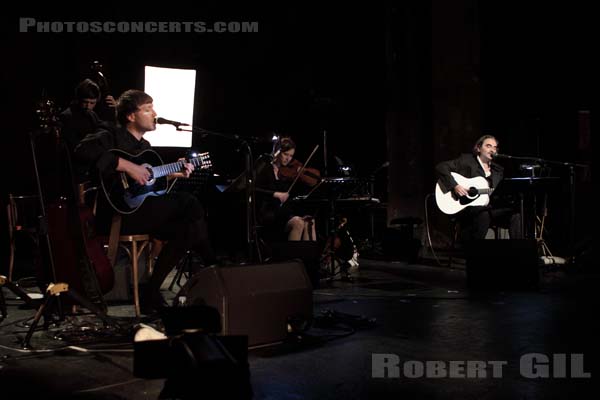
[(151, 180)]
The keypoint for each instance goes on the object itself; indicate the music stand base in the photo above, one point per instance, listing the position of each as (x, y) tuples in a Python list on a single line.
[(52, 293), (184, 268), (336, 271)]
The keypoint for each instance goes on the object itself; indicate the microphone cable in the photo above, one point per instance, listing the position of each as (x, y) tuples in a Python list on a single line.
[(428, 231)]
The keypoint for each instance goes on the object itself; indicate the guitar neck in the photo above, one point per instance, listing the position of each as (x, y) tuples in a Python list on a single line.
[(171, 168), (485, 191)]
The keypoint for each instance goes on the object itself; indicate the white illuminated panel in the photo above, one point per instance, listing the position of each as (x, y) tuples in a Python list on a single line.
[(173, 93)]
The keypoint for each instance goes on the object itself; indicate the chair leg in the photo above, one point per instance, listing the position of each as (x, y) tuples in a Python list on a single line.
[(150, 261), (136, 293), (454, 236), (3, 311), (11, 232), (11, 261)]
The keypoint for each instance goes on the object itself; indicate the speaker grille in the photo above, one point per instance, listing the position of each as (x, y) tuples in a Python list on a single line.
[(255, 300)]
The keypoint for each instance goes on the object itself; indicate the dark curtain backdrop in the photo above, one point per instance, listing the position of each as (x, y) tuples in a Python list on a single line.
[(411, 83)]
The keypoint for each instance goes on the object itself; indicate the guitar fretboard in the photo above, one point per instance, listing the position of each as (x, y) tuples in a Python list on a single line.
[(202, 161)]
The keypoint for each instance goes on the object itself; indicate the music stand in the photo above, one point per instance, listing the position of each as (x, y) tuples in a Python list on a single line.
[(237, 185), (240, 184), (331, 189), (247, 183), (524, 187)]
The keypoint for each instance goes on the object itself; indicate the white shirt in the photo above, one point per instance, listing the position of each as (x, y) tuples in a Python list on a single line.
[(487, 172)]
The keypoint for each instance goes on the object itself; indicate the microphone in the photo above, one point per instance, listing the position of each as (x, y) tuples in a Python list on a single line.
[(164, 121), (500, 155)]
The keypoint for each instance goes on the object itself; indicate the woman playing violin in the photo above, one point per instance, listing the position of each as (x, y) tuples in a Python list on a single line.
[(273, 183)]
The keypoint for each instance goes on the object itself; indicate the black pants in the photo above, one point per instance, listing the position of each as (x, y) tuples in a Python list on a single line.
[(475, 222), (179, 219)]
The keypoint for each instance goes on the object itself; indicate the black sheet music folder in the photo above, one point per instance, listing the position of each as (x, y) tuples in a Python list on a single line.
[(515, 186)]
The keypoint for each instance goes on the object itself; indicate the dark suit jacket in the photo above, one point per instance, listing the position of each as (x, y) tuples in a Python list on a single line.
[(468, 166)]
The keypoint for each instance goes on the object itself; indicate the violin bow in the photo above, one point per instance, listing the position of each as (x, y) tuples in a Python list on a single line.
[(302, 169), (315, 188)]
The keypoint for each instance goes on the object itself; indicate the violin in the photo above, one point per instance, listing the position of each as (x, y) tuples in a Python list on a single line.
[(294, 170)]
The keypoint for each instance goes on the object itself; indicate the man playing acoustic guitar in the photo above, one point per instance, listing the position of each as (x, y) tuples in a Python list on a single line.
[(458, 181), (177, 218)]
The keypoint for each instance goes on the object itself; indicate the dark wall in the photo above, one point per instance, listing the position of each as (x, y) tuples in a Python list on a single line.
[(537, 75)]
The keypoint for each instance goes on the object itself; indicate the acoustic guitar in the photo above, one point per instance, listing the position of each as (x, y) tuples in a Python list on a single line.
[(479, 194), (126, 196)]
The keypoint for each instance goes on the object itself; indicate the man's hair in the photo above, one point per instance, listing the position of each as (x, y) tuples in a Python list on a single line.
[(480, 141), (87, 89), (129, 102)]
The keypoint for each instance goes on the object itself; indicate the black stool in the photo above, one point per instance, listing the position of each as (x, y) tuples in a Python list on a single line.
[(399, 240)]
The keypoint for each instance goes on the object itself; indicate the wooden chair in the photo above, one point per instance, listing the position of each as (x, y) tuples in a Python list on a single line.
[(18, 205), (134, 246)]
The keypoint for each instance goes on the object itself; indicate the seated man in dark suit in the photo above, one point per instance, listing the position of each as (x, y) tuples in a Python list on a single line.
[(476, 220)]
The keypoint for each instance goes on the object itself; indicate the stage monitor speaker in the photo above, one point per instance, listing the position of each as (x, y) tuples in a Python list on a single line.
[(307, 251), (502, 265), (254, 300)]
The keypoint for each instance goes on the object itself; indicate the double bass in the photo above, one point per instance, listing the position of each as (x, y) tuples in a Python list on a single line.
[(104, 112), (77, 254)]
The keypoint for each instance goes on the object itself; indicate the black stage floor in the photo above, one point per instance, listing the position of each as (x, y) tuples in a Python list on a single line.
[(415, 324)]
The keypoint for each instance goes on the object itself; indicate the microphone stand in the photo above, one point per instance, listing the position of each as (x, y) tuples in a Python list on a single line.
[(252, 243), (325, 172), (43, 219)]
